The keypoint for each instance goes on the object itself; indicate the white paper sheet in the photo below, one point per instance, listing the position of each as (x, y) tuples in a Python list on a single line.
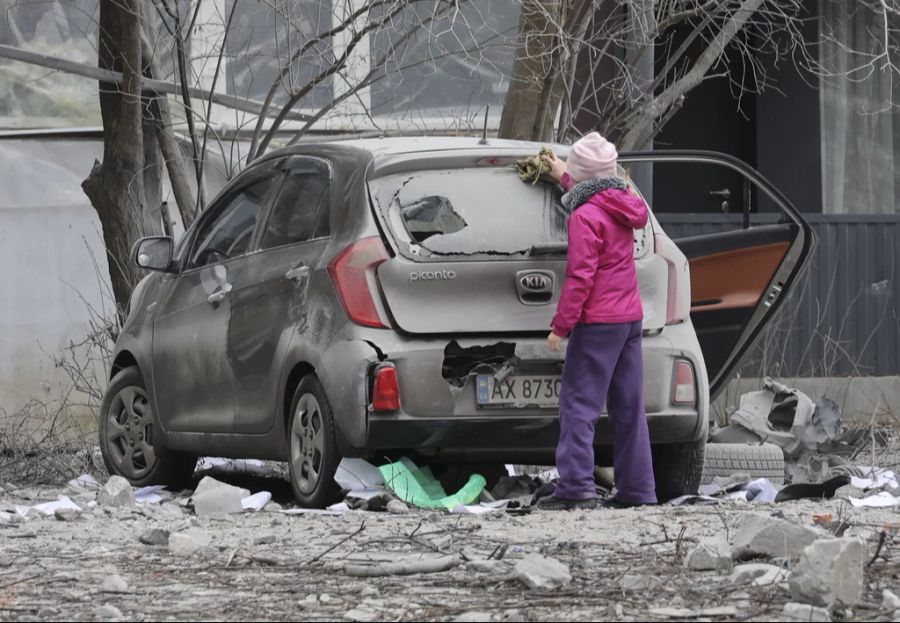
[(148, 495), (480, 509), (879, 500), (874, 477), (48, 508), (358, 474), (257, 501)]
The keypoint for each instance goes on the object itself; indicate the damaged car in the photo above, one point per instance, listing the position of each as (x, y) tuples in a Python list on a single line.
[(380, 297)]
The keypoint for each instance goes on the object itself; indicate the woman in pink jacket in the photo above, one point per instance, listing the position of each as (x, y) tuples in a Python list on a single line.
[(600, 312)]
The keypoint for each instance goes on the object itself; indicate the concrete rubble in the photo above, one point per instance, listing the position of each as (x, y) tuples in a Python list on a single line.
[(114, 584), (805, 612), (160, 560), (117, 492), (758, 574), (189, 542), (539, 572), (213, 497), (830, 572), (155, 537), (708, 556), (890, 600), (763, 535)]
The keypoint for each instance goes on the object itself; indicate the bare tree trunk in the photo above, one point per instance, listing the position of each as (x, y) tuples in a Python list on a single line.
[(535, 55), (116, 186)]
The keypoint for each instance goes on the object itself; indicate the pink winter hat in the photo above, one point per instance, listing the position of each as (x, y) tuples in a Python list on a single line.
[(592, 156)]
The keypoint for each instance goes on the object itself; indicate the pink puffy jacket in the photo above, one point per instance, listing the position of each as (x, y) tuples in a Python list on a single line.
[(601, 281)]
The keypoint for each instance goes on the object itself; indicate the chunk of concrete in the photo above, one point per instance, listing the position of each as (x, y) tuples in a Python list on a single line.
[(538, 572), (117, 492), (107, 612), (634, 582), (396, 507), (156, 537), (114, 584), (758, 574), (707, 557), (212, 497), (889, 600), (761, 535), (805, 612), (830, 572), (189, 542)]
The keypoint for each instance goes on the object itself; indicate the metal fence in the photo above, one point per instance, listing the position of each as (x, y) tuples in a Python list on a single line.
[(841, 319)]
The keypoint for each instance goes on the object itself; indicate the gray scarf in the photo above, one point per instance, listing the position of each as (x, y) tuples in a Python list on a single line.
[(582, 191)]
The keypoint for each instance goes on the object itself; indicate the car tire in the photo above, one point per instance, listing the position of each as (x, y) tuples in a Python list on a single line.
[(756, 460), (129, 436), (678, 469), (314, 453)]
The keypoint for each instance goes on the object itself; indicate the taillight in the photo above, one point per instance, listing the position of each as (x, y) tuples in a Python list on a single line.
[(386, 390), (685, 392), (353, 274), (678, 299)]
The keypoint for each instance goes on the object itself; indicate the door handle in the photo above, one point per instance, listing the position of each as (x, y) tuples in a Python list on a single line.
[(298, 273), (725, 193), (219, 295)]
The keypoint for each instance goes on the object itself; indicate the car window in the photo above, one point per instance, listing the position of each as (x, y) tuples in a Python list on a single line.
[(228, 234), (469, 211), (296, 212)]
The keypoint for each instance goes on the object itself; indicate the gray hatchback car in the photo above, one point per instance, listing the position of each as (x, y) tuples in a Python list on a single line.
[(374, 298)]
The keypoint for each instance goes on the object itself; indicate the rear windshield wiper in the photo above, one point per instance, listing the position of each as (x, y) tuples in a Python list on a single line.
[(549, 248)]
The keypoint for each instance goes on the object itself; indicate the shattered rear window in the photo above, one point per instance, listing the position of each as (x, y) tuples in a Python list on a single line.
[(483, 211)]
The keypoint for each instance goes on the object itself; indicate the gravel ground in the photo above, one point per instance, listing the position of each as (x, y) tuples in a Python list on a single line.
[(273, 566)]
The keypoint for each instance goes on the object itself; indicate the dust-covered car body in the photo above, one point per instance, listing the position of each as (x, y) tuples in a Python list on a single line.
[(371, 297)]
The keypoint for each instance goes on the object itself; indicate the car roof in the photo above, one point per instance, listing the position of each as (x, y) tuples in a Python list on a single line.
[(406, 147)]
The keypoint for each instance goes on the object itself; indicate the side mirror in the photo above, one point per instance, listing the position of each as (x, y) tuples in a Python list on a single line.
[(154, 253)]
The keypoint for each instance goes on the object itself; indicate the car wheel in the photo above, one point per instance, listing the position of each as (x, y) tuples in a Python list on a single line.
[(678, 469), (757, 461), (129, 436), (314, 453)]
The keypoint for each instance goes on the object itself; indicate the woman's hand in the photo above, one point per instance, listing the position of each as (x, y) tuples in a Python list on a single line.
[(555, 342), (557, 166)]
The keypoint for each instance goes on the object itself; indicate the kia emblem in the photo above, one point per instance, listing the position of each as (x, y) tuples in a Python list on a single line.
[(535, 287)]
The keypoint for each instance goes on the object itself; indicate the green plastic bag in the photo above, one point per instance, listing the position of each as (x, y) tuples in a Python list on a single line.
[(420, 488)]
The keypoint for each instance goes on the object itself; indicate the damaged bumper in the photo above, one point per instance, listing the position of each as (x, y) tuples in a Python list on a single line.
[(439, 409)]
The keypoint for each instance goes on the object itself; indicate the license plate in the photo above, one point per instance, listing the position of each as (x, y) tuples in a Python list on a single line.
[(519, 391)]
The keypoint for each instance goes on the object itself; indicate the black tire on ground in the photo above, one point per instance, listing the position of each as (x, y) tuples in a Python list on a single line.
[(129, 439), (678, 468), (314, 453), (758, 461)]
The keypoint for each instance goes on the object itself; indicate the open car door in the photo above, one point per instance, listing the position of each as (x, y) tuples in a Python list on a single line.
[(742, 271)]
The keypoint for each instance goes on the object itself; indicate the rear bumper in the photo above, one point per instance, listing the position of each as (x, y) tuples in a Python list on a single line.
[(439, 417), (510, 436)]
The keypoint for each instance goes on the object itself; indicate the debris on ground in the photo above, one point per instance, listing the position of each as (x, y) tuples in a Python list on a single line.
[(805, 612), (540, 573), (758, 574), (214, 497), (189, 542), (117, 492), (410, 566), (708, 556), (830, 572), (764, 535)]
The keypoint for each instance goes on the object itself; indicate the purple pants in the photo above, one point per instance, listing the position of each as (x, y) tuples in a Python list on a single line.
[(604, 364)]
